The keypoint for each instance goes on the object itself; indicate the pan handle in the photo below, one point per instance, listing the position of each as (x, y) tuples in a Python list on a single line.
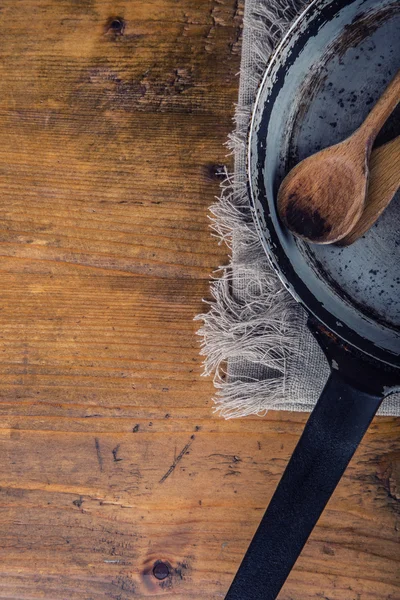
[(329, 440)]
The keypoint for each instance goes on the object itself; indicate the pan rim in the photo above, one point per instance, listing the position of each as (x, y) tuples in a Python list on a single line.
[(350, 335)]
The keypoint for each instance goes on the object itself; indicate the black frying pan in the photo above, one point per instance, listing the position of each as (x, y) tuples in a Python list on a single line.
[(320, 84)]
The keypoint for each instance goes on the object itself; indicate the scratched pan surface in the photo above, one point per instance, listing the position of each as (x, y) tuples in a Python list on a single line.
[(329, 70)]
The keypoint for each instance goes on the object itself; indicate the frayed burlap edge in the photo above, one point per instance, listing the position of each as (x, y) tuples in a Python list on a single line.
[(262, 328), (254, 336)]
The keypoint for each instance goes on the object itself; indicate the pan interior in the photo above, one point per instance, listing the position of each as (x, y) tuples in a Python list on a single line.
[(319, 90)]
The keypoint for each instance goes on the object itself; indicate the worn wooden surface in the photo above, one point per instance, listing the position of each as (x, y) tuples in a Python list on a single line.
[(113, 116)]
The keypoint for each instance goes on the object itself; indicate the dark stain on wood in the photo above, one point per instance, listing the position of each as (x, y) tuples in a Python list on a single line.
[(217, 172), (177, 460), (115, 453), (98, 453), (388, 473)]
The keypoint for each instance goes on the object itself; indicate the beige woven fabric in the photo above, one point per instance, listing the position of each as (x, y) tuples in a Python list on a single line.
[(254, 336)]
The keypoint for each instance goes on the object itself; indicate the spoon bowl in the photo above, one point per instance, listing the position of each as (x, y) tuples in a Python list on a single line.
[(323, 209), (323, 197)]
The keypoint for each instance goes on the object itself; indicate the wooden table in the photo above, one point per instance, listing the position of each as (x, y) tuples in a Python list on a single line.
[(113, 120)]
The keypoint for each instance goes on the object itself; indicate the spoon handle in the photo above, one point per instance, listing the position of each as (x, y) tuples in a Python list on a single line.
[(380, 112), (384, 181)]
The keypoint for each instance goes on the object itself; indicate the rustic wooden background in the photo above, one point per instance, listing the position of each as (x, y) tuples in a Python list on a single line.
[(113, 116)]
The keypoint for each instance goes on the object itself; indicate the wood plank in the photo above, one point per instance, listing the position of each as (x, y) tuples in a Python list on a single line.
[(113, 118), (107, 503), (95, 211), (113, 127)]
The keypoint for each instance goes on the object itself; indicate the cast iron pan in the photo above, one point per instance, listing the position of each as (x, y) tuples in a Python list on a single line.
[(320, 84)]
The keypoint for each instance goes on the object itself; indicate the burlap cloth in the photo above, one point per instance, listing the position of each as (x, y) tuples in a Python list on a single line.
[(254, 336)]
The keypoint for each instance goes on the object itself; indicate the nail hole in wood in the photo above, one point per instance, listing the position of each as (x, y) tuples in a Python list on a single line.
[(160, 570), (116, 25)]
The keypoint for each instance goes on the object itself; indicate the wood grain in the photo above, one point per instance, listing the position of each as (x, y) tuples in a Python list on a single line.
[(112, 459), (384, 181)]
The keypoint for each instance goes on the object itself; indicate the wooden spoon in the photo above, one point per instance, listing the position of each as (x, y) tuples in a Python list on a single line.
[(384, 181), (323, 197)]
